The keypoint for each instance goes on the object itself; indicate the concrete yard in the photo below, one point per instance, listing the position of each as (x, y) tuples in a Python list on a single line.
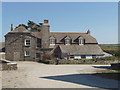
[(37, 75)]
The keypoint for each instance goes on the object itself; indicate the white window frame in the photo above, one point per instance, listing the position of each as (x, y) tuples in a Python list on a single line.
[(26, 42), (81, 41), (27, 53), (66, 42), (52, 41)]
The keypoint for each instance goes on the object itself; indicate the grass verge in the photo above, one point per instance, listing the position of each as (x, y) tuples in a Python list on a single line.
[(110, 74)]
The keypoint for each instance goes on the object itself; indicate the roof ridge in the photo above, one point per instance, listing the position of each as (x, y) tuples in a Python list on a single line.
[(67, 33)]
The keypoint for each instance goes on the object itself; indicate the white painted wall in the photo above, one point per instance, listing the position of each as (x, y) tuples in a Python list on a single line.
[(88, 57), (77, 57)]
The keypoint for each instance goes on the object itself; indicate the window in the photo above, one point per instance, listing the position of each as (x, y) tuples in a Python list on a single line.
[(27, 42), (67, 41), (38, 42), (27, 53), (52, 41), (37, 55), (81, 41), (83, 57)]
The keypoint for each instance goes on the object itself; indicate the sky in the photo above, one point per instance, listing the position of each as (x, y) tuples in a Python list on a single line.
[(101, 18)]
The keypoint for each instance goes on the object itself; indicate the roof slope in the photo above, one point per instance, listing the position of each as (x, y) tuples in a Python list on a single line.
[(20, 29), (81, 49), (59, 36)]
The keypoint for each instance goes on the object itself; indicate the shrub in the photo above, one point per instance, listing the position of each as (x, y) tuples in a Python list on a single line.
[(107, 58), (48, 58)]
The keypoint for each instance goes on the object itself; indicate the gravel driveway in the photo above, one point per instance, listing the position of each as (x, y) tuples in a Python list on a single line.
[(37, 75)]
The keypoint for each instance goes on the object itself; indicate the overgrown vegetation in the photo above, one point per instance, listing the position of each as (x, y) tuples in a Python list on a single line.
[(48, 59), (107, 58), (113, 49)]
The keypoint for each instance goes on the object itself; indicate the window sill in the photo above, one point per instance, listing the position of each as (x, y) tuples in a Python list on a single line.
[(52, 44), (27, 45), (27, 56)]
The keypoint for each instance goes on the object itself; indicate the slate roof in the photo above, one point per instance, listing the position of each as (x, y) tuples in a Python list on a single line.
[(37, 34), (20, 29), (74, 36), (81, 49)]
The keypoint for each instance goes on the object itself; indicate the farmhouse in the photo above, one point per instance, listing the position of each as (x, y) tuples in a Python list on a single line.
[(32, 41)]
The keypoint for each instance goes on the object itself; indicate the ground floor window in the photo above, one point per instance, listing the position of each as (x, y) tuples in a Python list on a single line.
[(37, 55), (93, 56), (27, 53), (71, 56), (83, 57)]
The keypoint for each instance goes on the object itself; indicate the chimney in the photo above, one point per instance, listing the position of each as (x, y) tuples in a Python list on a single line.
[(45, 21), (12, 27), (88, 32)]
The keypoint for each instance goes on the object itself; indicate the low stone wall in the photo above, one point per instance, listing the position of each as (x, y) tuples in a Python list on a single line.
[(62, 61), (6, 66)]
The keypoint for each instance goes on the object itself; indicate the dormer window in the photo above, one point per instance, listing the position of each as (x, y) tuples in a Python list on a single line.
[(27, 42), (67, 42), (52, 40), (81, 41)]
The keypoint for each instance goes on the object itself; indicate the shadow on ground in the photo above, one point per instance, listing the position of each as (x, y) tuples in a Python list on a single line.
[(102, 67), (86, 79)]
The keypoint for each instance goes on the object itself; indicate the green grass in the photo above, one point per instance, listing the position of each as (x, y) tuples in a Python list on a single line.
[(110, 74), (109, 71)]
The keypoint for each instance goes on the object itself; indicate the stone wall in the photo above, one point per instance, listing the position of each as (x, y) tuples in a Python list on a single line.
[(15, 47), (63, 61)]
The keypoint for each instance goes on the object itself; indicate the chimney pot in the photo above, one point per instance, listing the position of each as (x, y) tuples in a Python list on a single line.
[(88, 32), (12, 27), (45, 21)]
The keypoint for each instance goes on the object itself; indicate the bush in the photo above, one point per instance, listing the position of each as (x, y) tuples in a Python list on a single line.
[(107, 58), (48, 58)]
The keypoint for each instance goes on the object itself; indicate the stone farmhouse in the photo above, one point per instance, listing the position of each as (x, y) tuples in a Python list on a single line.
[(32, 41)]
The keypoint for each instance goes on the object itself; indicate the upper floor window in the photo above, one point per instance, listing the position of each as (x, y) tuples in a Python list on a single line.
[(27, 53), (81, 41), (27, 42), (67, 42), (38, 42), (52, 41)]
